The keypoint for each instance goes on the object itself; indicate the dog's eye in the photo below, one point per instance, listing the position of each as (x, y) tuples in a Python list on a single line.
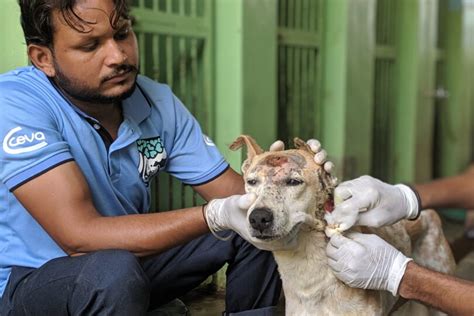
[(293, 182), (251, 181)]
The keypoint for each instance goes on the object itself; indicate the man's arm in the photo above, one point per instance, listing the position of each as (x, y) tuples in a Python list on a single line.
[(454, 192), (368, 262), (449, 294), (61, 202), (370, 202), (229, 183)]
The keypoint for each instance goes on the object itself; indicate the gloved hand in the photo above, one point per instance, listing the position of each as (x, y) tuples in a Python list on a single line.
[(366, 261), (320, 155), (231, 213), (370, 202)]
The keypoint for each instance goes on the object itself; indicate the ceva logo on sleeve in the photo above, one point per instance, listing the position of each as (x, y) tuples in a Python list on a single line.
[(16, 143), (208, 140)]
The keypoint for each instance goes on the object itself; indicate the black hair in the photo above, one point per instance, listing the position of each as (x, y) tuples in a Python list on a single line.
[(37, 23)]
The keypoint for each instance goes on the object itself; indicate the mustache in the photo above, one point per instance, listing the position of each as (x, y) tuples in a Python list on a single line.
[(120, 70)]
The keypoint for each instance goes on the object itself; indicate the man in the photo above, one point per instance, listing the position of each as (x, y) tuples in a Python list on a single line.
[(82, 136), (366, 261)]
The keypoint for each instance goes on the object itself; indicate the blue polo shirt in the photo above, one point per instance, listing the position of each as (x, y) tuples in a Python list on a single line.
[(40, 129)]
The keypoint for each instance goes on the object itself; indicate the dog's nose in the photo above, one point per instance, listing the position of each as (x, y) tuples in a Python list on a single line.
[(261, 219)]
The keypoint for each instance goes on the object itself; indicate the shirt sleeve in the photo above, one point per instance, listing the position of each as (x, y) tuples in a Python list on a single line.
[(194, 158), (30, 133)]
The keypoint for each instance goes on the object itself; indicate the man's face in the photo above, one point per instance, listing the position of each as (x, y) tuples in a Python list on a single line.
[(101, 65)]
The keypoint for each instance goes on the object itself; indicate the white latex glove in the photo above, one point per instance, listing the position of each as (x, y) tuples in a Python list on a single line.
[(231, 213), (320, 155), (366, 261), (370, 202)]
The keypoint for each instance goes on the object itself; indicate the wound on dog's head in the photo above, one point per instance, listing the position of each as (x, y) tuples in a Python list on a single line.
[(275, 160)]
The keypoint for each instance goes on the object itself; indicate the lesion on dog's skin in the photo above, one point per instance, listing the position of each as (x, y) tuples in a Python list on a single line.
[(279, 180), (293, 193)]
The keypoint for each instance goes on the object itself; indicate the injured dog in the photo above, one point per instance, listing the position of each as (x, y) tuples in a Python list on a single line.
[(292, 195)]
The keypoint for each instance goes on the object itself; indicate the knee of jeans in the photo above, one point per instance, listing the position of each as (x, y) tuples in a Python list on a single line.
[(113, 269)]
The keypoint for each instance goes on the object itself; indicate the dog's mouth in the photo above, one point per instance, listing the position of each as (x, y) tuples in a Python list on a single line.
[(268, 236)]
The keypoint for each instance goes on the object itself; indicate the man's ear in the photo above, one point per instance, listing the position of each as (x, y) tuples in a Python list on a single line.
[(42, 57)]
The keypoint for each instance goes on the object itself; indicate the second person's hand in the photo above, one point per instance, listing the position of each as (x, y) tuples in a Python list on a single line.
[(368, 201)]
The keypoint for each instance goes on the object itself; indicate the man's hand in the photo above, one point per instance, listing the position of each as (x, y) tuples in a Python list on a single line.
[(320, 155), (231, 213), (366, 261), (370, 202)]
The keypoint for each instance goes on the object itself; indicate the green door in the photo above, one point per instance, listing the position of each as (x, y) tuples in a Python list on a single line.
[(175, 41)]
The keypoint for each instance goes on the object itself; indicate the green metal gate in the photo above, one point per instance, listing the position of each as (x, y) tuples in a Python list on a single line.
[(299, 40), (175, 41), (384, 85)]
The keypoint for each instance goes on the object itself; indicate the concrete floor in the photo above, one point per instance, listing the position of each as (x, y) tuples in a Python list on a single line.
[(206, 302)]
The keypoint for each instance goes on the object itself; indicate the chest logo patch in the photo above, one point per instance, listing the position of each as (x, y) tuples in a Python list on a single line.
[(16, 143), (152, 157)]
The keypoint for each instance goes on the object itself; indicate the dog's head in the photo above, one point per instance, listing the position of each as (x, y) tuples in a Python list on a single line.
[(292, 190)]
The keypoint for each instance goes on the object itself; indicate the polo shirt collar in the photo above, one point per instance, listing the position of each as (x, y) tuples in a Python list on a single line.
[(137, 107)]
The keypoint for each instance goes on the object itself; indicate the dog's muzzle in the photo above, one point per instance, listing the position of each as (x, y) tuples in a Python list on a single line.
[(261, 219)]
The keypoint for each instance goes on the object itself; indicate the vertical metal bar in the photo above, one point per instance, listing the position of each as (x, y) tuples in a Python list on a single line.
[(169, 7), (182, 56), (297, 82), (383, 22), (291, 90), (318, 16), (291, 14), (298, 14), (141, 4), (169, 60), (155, 6), (155, 56), (376, 150), (304, 15), (393, 18), (386, 22), (284, 13), (170, 193), (280, 13), (181, 7), (304, 106), (194, 76), (155, 195), (282, 93), (141, 47), (313, 15), (312, 87), (386, 113), (193, 12)]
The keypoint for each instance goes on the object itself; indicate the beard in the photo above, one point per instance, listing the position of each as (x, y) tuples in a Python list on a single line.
[(79, 91)]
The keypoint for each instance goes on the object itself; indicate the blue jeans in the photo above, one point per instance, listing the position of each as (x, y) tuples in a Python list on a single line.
[(115, 282)]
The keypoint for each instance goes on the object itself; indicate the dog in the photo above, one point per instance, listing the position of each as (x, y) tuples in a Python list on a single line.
[(293, 194)]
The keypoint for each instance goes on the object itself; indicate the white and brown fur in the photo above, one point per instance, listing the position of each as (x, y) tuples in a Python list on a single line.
[(292, 191)]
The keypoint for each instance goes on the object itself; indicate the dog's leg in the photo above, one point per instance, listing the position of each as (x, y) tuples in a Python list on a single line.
[(429, 245), (430, 248)]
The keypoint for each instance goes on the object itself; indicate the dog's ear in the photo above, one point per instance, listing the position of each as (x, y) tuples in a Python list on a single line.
[(301, 144), (253, 149)]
